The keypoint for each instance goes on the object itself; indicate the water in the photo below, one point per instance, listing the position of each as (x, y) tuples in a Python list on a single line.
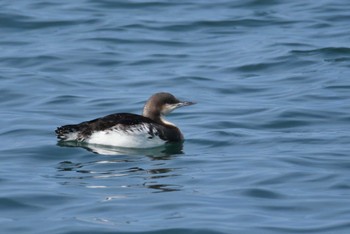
[(267, 147)]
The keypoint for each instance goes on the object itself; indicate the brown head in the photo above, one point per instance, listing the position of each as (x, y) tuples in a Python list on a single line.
[(161, 104)]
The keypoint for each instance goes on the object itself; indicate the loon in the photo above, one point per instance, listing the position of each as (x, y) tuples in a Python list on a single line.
[(130, 130)]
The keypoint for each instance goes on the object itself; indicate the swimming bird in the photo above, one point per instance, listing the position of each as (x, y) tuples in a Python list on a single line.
[(130, 130)]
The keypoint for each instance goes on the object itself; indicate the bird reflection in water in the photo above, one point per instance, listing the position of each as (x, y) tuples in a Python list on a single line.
[(152, 178), (165, 150)]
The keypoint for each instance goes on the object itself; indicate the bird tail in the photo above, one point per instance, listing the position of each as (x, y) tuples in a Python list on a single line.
[(68, 132)]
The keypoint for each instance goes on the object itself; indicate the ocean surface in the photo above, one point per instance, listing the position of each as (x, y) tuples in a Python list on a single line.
[(267, 145)]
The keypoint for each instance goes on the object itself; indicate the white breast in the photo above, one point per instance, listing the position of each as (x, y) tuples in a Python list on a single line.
[(134, 137)]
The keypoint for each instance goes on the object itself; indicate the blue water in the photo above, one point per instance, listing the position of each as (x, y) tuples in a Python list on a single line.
[(267, 146)]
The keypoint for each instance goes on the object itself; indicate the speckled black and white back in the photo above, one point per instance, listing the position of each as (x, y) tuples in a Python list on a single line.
[(123, 129)]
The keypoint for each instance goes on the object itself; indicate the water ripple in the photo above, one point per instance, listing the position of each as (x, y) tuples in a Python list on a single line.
[(266, 146)]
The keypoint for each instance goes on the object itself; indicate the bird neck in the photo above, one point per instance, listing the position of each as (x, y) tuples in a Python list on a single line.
[(157, 117)]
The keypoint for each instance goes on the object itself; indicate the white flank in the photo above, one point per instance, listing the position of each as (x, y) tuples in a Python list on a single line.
[(72, 136), (135, 137)]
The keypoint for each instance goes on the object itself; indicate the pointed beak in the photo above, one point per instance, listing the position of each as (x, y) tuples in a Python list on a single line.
[(167, 108), (180, 104)]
